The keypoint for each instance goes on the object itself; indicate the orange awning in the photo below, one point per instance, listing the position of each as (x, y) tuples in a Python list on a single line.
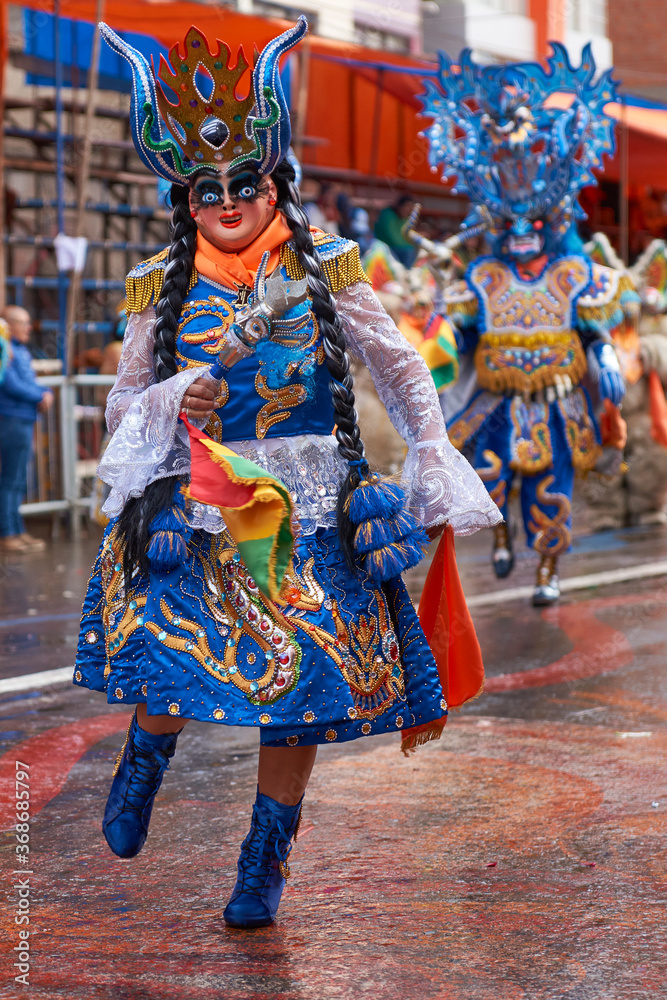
[(362, 116), (344, 109)]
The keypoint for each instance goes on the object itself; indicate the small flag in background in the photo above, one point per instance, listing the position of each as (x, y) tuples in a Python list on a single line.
[(438, 349), (255, 506)]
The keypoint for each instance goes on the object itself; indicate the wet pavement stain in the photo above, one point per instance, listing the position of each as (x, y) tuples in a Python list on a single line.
[(521, 858)]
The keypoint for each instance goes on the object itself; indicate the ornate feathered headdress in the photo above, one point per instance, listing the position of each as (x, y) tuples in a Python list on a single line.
[(202, 122), (520, 140)]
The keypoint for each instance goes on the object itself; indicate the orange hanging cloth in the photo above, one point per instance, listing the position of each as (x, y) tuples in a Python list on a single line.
[(232, 269), (450, 633), (658, 408), (613, 428)]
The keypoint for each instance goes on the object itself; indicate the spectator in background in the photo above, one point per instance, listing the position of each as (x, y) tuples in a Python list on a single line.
[(20, 400), (388, 228), (113, 350), (319, 204), (311, 191), (360, 229)]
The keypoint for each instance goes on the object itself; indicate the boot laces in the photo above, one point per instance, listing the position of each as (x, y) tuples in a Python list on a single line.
[(266, 842), (147, 769)]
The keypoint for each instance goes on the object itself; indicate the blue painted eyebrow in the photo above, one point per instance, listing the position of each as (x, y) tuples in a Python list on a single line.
[(242, 179), (207, 180)]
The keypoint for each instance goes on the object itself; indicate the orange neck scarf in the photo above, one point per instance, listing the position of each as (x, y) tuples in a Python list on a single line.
[(531, 269), (232, 269)]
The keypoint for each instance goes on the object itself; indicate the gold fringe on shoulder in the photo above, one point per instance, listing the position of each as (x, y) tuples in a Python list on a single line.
[(607, 309), (144, 283), (410, 743), (467, 306), (143, 288), (340, 271)]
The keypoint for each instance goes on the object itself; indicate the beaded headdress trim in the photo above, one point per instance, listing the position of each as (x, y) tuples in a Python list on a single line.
[(206, 123)]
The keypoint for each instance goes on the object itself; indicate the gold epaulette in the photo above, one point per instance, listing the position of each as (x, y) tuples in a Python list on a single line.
[(601, 303), (339, 259), (460, 299), (144, 282)]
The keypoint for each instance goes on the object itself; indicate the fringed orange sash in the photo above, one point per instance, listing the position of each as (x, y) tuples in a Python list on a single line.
[(451, 635)]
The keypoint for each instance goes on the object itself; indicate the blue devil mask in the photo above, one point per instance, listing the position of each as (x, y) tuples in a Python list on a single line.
[(521, 141)]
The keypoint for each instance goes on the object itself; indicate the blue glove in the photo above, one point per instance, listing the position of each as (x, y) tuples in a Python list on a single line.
[(610, 380), (612, 386)]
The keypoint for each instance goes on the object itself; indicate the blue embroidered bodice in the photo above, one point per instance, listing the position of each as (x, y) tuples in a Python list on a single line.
[(280, 391)]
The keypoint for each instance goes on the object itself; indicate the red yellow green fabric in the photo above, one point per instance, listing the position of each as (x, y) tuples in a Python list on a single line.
[(255, 506), (438, 350)]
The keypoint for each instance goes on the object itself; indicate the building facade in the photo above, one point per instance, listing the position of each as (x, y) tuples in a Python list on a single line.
[(390, 25), (507, 30), (638, 37)]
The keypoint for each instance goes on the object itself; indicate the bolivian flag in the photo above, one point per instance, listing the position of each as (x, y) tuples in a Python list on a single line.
[(378, 265), (438, 349), (256, 507)]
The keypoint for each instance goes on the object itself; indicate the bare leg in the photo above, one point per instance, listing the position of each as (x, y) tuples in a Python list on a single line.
[(283, 772), (158, 725)]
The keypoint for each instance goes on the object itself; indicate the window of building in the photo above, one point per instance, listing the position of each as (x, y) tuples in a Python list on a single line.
[(373, 38), (597, 20), (588, 16), (503, 6), (508, 6), (284, 11)]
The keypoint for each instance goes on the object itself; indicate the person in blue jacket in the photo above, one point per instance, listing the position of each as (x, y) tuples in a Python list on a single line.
[(20, 400)]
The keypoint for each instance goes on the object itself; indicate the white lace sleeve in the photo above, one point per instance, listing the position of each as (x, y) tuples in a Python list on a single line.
[(148, 441), (441, 484)]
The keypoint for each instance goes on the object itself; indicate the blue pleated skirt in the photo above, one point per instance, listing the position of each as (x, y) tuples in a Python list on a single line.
[(338, 658)]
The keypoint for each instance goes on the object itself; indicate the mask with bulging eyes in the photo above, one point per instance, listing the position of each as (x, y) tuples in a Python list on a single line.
[(214, 191)]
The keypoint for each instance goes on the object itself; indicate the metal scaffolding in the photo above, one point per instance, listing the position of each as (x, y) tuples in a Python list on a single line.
[(68, 166)]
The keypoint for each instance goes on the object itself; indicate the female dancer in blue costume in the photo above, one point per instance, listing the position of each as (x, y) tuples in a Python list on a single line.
[(338, 655)]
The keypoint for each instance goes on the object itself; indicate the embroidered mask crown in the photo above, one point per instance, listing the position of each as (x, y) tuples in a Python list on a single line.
[(208, 120), (194, 118)]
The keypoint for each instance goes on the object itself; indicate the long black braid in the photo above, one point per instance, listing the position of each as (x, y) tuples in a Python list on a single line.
[(348, 435), (133, 523)]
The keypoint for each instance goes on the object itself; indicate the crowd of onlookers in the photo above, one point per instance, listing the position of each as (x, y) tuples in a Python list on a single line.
[(330, 207)]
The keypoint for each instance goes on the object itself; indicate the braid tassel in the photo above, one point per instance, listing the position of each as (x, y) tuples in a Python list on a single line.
[(388, 539), (169, 534), (151, 528), (374, 527)]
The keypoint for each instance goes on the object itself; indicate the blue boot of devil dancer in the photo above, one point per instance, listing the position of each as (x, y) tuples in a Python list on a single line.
[(137, 777), (262, 865)]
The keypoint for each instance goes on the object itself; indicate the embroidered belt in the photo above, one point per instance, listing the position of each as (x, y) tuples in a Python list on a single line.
[(514, 363)]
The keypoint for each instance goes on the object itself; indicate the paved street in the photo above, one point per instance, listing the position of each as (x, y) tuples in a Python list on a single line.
[(522, 856)]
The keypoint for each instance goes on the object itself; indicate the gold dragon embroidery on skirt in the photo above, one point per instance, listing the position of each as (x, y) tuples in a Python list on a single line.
[(367, 652), (552, 535), (122, 614)]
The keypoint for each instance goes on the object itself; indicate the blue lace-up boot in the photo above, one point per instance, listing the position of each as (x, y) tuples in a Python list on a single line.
[(262, 866), (138, 774)]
